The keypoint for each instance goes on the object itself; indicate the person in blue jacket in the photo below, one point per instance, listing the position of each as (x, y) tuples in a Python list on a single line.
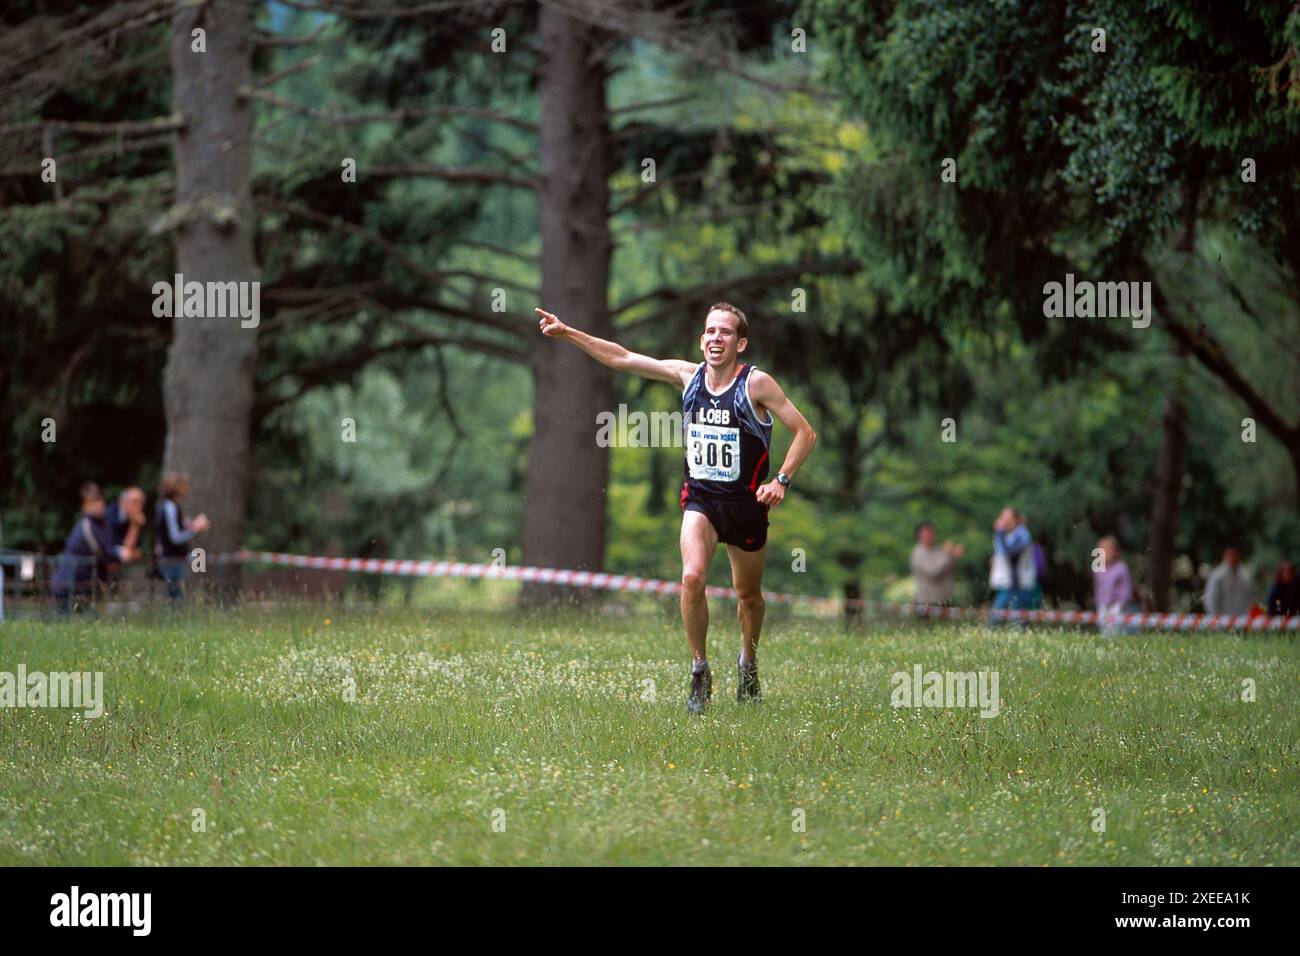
[(88, 551), (1013, 575), (173, 532)]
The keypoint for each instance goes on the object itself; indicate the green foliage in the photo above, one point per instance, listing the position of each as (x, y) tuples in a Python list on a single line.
[(1070, 159), (1066, 160), (81, 345)]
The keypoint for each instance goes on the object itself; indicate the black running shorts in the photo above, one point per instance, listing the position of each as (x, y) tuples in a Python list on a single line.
[(738, 521)]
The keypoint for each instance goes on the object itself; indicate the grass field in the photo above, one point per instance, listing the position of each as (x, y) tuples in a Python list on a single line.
[(573, 728)]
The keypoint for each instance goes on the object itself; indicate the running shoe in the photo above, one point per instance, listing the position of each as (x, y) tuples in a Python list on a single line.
[(747, 681), (701, 691)]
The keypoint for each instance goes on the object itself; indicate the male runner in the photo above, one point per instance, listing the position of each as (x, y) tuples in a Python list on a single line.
[(727, 425)]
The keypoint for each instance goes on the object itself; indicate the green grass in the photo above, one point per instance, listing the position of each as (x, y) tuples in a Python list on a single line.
[(458, 714)]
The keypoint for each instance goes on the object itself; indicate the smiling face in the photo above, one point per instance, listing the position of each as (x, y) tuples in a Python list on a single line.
[(721, 342)]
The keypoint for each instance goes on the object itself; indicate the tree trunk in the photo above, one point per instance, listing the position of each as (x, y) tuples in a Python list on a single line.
[(1293, 450), (564, 512), (852, 601), (1169, 487), (852, 607), (661, 474), (208, 381)]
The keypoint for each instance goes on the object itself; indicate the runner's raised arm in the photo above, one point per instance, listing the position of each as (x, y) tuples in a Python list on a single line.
[(615, 356)]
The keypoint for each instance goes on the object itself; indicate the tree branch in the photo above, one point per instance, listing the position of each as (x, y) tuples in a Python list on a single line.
[(262, 38), (105, 149), (650, 104), (690, 37), (123, 16), (514, 159), (340, 367), (302, 66), (159, 124), (379, 296), (720, 214), (319, 305), (360, 11), (400, 255), (1207, 350), (708, 290), (344, 367), (454, 174), (645, 189), (387, 116), (499, 250)]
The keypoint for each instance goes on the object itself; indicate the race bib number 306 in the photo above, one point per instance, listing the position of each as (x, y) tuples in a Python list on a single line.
[(713, 452)]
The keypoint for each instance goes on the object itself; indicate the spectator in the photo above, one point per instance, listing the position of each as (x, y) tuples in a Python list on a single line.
[(1284, 595), (1112, 586), (1040, 575), (173, 532), (1228, 589), (1013, 575), (933, 567), (88, 549), (126, 520)]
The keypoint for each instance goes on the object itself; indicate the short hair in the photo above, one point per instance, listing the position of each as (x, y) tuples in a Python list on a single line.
[(90, 491), (922, 525), (172, 483), (742, 324)]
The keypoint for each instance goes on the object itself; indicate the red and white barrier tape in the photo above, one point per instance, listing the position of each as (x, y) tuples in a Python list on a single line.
[(600, 580)]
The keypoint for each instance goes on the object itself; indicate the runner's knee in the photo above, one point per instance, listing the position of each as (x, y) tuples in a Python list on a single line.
[(693, 581), (751, 600)]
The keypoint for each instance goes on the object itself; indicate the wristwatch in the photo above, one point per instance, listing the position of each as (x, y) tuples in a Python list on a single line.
[(783, 479)]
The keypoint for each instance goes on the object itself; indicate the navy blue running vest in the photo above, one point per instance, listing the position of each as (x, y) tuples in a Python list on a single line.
[(162, 536), (726, 441)]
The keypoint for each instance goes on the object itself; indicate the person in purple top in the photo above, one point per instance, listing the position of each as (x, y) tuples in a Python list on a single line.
[(1112, 586)]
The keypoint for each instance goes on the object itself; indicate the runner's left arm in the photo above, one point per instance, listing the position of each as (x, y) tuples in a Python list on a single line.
[(764, 390)]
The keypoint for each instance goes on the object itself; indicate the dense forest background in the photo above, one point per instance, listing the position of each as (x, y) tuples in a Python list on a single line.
[(884, 186)]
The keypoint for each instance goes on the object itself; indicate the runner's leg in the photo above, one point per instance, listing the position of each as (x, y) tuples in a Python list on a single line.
[(699, 541), (747, 579)]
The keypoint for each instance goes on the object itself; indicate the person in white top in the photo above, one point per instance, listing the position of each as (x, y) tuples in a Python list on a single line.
[(1228, 590), (933, 566)]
